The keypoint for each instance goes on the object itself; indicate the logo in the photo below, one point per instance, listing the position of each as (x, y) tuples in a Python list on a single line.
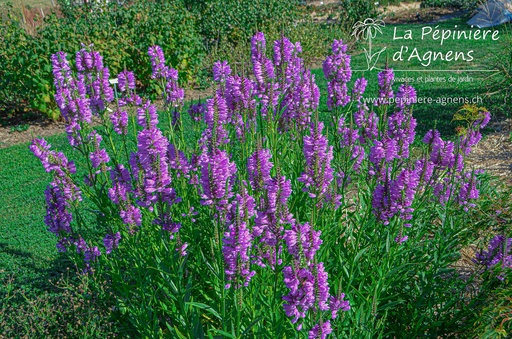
[(367, 30)]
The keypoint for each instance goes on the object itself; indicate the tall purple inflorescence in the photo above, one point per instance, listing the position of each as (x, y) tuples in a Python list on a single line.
[(337, 71), (258, 168), (263, 68), (386, 79), (393, 197), (217, 176), (159, 69), (172, 93), (272, 215), (215, 117), (238, 241), (401, 124), (126, 81), (60, 193), (318, 174), (307, 280)]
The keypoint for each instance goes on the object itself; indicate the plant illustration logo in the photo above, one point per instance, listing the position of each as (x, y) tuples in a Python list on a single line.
[(367, 30)]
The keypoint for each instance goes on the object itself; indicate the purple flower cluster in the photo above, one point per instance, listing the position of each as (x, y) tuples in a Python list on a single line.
[(444, 155), (217, 179), (319, 173), (498, 251), (197, 111), (395, 196), (258, 168), (405, 96), (81, 96), (299, 92), (95, 76), (61, 193), (385, 79), (178, 162), (359, 88), (216, 118), (119, 119), (349, 139), (303, 102), (238, 241), (173, 94), (221, 71), (99, 157), (367, 122), (307, 280), (263, 68), (151, 164), (120, 192), (337, 71), (272, 215), (158, 67), (382, 154), (71, 98), (126, 81), (90, 253), (241, 105), (401, 127), (111, 242)]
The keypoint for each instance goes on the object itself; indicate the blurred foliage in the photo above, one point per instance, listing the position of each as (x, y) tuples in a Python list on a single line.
[(462, 4)]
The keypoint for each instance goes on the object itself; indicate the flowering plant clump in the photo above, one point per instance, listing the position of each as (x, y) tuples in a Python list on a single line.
[(250, 216)]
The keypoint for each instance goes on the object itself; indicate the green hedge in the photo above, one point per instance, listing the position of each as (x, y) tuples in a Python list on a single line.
[(124, 33)]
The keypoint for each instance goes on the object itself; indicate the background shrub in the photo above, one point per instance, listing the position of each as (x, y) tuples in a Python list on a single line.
[(462, 4), (355, 10)]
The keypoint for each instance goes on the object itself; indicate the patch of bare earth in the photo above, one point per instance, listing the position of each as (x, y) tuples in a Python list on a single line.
[(411, 12), (494, 153)]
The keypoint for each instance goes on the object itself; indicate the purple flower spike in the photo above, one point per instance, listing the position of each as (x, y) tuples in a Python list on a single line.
[(236, 248), (159, 70), (386, 79), (259, 167), (359, 88), (320, 331), (302, 241), (221, 71), (98, 156), (147, 116), (318, 174), (111, 242), (217, 174), (406, 96), (119, 121), (498, 251), (197, 111), (126, 81), (338, 72)]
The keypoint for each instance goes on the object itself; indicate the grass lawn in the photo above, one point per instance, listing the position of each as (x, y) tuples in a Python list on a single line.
[(28, 256)]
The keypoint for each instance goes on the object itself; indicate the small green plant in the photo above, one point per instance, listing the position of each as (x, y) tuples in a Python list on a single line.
[(19, 128)]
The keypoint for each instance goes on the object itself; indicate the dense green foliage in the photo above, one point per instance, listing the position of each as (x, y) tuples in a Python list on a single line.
[(123, 32), (356, 10), (463, 4)]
